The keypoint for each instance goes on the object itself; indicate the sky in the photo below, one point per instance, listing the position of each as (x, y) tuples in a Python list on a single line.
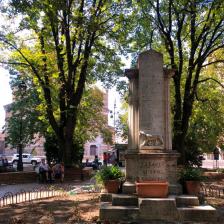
[(5, 94)]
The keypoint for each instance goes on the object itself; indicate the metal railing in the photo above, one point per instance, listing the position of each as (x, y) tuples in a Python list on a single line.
[(10, 198), (212, 190)]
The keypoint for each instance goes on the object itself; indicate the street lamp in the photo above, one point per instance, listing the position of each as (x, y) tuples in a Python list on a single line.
[(115, 106), (22, 90)]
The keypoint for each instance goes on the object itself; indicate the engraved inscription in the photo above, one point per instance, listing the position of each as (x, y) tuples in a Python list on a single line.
[(156, 170)]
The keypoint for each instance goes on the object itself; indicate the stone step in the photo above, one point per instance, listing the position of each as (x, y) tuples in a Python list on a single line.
[(118, 213), (205, 213), (187, 200), (105, 197), (124, 200), (175, 189), (163, 209)]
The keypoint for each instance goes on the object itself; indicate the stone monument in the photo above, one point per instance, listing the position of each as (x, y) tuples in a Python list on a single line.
[(150, 155)]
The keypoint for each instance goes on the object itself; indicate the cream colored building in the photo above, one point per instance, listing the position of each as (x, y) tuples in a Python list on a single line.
[(98, 146)]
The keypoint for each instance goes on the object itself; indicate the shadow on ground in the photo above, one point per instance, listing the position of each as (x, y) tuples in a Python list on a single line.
[(68, 209)]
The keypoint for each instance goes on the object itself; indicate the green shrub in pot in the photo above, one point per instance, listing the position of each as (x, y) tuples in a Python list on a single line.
[(191, 173), (190, 178), (108, 175)]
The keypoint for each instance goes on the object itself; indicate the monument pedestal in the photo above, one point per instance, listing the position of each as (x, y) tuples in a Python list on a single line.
[(151, 165), (149, 155), (175, 209)]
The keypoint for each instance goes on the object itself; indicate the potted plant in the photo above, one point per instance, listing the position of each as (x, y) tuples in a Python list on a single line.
[(191, 178), (152, 188), (110, 178)]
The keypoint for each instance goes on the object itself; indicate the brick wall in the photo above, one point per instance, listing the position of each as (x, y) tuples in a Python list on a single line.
[(18, 177), (32, 177)]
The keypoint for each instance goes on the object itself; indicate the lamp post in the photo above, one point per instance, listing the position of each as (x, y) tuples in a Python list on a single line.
[(113, 114), (115, 106), (22, 89)]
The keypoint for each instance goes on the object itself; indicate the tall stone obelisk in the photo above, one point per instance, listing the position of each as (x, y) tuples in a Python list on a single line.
[(149, 155)]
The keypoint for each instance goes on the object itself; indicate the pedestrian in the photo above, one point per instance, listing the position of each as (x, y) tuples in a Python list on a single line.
[(5, 162), (96, 162), (113, 158), (58, 171), (87, 163), (43, 170), (216, 154), (105, 158)]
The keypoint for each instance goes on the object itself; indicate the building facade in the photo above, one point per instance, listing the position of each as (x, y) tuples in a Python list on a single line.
[(97, 147)]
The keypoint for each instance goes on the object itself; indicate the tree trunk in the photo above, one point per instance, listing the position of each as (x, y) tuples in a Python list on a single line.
[(178, 144), (66, 147), (67, 152), (180, 132)]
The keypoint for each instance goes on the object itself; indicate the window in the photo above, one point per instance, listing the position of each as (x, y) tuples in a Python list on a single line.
[(93, 150)]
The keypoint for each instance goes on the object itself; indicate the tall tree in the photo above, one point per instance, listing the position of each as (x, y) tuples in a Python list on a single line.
[(67, 44), (23, 122), (91, 122), (188, 32)]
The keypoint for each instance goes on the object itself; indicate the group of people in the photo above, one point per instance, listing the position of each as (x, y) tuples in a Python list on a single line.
[(109, 159), (4, 162), (50, 173)]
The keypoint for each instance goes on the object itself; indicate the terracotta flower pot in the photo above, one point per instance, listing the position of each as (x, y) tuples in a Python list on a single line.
[(112, 186), (193, 187), (152, 189)]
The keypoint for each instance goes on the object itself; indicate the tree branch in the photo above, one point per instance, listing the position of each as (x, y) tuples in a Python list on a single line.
[(46, 89), (35, 71), (213, 62), (210, 78), (15, 63)]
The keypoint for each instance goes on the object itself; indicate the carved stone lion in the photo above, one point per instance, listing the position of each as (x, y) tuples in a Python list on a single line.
[(150, 140)]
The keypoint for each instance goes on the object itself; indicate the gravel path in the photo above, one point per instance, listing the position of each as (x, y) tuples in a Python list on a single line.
[(71, 186)]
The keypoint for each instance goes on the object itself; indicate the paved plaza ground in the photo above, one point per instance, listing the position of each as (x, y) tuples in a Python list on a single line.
[(70, 209), (74, 207), (68, 186), (211, 164)]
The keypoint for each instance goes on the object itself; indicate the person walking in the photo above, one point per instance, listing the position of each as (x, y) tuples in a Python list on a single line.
[(43, 171), (105, 159), (113, 158), (96, 163)]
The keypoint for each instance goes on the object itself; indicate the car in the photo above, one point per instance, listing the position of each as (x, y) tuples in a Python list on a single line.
[(27, 158), (93, 164)]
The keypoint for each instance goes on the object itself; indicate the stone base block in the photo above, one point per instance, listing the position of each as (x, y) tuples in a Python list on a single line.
[(131, 209), (200, 214), (106, 197), (158, 209), (118, 213), (186, 201), (175, 189), (124, 200), (153, 166)]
